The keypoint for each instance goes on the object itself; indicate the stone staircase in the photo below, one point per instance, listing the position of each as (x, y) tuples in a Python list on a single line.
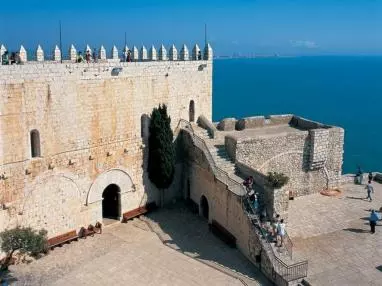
[(219, 153)]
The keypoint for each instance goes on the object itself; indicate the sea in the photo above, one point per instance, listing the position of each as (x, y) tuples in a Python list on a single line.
[(345, 91)]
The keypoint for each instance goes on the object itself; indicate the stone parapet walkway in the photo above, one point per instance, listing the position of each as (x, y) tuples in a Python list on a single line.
[(333, 233)]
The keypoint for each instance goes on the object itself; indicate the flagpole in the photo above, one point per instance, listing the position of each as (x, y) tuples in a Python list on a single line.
[(61, 43)]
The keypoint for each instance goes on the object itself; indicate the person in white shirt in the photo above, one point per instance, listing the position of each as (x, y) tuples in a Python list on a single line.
[(369, 189), (280, 232)]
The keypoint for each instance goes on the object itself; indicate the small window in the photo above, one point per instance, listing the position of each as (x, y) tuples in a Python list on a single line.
[(145, 122), (35, 143), (191, 111)]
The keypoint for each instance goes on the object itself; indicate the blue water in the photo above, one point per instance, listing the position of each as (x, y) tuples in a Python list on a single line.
[(342, 91)]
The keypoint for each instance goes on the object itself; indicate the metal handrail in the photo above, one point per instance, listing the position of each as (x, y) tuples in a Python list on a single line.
[(282, 271)]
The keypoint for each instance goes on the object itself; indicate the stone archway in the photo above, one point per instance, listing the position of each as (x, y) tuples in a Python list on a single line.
[(111, 202), (117, 177), (204, 208)]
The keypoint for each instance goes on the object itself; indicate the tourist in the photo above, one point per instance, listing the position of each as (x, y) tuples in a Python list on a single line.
[(94, 55), (199, 56), (373, 220), (17, 58), (12, 59), (369, 189), (359, 175), (281, 232), (88, 56), (80, 58), (370, 176), (255, 202), (5, 58), (128, 56), (248, 183)]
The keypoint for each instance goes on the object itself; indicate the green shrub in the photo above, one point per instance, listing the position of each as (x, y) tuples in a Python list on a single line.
[(24, 240), (277, 180)]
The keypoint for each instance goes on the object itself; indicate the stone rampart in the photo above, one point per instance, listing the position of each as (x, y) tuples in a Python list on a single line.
[(311, 158), (67, 131)]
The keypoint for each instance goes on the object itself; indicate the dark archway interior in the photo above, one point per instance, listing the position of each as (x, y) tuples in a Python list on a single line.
[(111, 204), (191, 111), (204, 206), (35, 143)]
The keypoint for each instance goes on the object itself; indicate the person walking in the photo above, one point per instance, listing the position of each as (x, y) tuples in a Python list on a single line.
[(369, 189), (370, 176), (94, 55), (373, 220), (359, 175)]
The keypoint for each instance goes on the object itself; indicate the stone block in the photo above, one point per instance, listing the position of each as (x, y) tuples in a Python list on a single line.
[(227, 124)]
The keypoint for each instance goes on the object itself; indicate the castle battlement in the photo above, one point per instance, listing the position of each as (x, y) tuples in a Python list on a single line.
[(101, 54)]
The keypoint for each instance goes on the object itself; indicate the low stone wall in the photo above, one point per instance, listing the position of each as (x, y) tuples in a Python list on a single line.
[(230, 146), (260, 121), (208, 125), (306, 124), (227, 124)]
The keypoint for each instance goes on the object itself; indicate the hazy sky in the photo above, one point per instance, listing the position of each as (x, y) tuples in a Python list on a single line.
[(243, 26)]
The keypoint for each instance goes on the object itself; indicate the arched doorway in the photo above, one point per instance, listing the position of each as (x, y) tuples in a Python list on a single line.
[(204, 207), (191, 111), (111, 202)]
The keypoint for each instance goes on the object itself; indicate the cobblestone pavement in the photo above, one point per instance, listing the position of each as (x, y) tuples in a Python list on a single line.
[(131, 254), (333, 233)]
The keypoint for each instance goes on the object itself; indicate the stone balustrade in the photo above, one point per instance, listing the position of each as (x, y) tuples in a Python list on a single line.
[(56, 55)]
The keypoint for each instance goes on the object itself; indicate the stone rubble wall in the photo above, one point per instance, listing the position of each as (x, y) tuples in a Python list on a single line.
[(89, 123), (319, 139), (290, 154)]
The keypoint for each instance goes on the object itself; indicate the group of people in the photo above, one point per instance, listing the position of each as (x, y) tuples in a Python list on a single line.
[(126, 57), (374, 215), (14, 58), (277, 227)]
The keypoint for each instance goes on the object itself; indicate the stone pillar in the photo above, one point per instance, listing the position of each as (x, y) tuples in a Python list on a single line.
[(153, 53), (143, 54), (73, 53), (102, 53), (23, 54), (114, 53), (173, 53), (39, 54), (195, 52), (2, 51), (208, 53), (57, 54), (135, 54), (184, 54), (162, 53)]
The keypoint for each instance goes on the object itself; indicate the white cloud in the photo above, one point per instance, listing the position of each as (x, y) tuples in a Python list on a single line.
[(303, 44)]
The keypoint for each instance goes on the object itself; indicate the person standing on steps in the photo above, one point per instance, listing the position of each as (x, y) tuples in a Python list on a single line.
[(359, 175), (281, 232), (369, 189), (373, 220)]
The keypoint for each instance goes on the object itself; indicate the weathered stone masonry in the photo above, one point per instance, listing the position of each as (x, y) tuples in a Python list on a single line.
[(89, 125)]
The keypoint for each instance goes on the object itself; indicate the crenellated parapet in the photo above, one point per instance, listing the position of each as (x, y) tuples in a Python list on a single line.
[(134, 54)]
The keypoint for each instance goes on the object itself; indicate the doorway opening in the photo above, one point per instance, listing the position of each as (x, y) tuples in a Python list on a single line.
[(111, 202), (204, 207)]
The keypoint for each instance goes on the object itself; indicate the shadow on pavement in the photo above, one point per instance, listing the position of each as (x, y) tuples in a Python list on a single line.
[(190, 234), (356, 230)]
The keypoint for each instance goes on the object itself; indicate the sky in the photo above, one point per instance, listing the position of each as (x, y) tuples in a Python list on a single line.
[(298, 27)]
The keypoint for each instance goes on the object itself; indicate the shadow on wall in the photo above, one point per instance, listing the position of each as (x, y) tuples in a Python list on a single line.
[(175, 190), (190, 234)]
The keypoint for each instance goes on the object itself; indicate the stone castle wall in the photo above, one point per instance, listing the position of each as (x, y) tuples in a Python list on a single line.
[(312, 159), (89, 119)]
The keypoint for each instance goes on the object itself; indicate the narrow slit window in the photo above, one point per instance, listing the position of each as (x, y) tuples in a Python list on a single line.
[(35, 143)]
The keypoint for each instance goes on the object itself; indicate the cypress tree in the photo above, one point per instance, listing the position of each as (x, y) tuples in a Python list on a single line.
[(161, 164)]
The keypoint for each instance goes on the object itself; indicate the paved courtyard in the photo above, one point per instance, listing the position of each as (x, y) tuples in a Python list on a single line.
[(132, 254), (333, 233)]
